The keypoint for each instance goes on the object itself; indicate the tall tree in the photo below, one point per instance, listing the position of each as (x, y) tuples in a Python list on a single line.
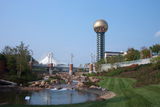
[(132, 54), (155, 48), (114, 59), (145, 53), (2, 62), (22, 58), (17, 58), (10, 54)]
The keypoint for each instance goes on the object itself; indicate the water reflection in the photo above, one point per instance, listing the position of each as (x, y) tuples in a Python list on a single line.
[(46, 97)]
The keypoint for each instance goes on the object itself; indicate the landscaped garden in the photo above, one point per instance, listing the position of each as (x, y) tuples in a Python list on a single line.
[(135, 86)]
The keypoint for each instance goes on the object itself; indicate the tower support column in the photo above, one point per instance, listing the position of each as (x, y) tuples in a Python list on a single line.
[(70, 69), (91, 68), (100, 45)]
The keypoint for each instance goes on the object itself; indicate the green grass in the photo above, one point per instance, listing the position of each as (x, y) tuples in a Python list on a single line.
[(127, 96)]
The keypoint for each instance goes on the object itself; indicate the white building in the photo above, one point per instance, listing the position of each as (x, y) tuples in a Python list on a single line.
[(110, 53)]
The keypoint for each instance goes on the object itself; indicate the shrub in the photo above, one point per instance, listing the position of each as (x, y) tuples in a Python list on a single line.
[(91, 74), (156, 66), (89, 83), (132, 67), (114, 72), (155, 59)]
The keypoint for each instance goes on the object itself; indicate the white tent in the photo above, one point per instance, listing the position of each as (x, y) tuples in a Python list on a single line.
[(48, 60)]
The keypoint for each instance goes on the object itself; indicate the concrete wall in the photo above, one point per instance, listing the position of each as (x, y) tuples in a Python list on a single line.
[(105, 67)]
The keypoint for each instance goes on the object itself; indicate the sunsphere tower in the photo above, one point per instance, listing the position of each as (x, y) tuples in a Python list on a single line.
[(100, 27)]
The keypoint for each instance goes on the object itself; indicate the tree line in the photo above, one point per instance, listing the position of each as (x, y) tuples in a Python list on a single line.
[(134, 54), (14, 63)]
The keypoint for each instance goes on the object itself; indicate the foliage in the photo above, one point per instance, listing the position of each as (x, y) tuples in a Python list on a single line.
[(17, 59), (155, 48), (2, 63), (132, 54), (11, 64), (155, 59), (2, 57), (114, 72), (55, 77), (145, 53), (89, 83), (156, 62), (132, 67), (114, 59), (144, 74), (22, 58), (90, 74), (99, 63), (24, 79)]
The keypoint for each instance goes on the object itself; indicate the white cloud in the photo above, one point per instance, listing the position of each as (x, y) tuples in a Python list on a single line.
[(157, 34)]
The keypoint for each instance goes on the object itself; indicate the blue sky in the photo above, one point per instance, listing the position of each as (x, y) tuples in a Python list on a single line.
[(66, 26)]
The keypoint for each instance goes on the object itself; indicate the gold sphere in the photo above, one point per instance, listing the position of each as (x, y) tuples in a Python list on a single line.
[(100, 26)]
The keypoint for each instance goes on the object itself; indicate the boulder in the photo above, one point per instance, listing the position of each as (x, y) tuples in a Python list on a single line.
[(93, 86), (36, 83), (80, 84), (94, 79)]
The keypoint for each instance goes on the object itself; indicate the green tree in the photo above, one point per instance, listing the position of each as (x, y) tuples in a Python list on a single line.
[(2, 62), (155, 59), (115, 59), (22, 58), (145, 53), (155, 48), (10, 54), (132, 54), (98, 64), (17, 58)]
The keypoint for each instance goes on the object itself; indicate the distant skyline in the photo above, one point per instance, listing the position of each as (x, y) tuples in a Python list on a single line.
[(66, 26)]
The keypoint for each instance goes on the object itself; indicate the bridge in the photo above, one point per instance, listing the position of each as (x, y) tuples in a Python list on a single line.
[(58, 68)]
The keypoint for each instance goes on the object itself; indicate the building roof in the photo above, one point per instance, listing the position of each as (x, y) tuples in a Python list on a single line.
[(114, 52)]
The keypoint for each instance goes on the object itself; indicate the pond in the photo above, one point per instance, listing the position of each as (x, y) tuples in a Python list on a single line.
[(47, 97)]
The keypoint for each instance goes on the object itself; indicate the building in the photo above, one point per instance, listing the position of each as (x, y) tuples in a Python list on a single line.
[(110, 53), (100, 27)]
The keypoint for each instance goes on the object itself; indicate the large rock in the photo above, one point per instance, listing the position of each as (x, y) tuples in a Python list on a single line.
[(37, 83), (93, 86), (53, 81), (94, 79), (80, 84)]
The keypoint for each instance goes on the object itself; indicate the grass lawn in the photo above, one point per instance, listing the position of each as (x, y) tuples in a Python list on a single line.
[(127, 96)]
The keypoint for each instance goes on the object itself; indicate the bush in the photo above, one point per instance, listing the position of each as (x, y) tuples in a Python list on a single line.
[(89, 83), (114, 72), (2, 57), (132, 67), (155, 59), (90, 74), (156, 66)]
